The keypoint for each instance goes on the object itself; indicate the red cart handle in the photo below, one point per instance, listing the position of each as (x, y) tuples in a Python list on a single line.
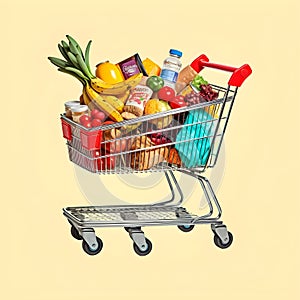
[(238, 74)]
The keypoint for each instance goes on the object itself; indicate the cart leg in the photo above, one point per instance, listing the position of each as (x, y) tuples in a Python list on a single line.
[(141, 245), (221, 232), (75, 232), (171, 188), (89, 236), (210, 197), (91, 244), (223, 238), (182, 213), (172, 180), (138, 236), (177, 187)]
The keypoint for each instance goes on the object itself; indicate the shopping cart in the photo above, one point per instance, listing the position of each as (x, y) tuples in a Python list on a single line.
[(186, 140)]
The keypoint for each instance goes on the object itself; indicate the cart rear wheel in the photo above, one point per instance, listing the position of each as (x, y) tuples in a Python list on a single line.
[(90, 251), (145, 251), (218, 242), (75, 234), (186, 228)]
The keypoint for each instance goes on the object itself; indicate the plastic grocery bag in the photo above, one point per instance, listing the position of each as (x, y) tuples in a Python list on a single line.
[(193, 141)]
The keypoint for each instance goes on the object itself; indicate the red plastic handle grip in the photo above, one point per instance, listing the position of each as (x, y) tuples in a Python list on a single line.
[(238, 74)]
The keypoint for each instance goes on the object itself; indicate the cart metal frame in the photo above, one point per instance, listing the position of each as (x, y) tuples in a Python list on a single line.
[(133, 218)]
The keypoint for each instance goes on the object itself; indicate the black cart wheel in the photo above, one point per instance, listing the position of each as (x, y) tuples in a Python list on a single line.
[(186, 228), (90, 251), (75, 234), (218, 242), (145, 251)]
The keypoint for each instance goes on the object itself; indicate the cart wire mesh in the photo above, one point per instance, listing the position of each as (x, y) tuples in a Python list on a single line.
[(187, 138)]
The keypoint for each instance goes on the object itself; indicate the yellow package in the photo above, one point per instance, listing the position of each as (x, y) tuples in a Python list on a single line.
[(151, 67)]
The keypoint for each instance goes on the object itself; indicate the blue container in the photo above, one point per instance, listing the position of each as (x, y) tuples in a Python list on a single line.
[(193, 142)]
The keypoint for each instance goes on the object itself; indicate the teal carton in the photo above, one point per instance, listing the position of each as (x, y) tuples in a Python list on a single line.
[(193, 142)]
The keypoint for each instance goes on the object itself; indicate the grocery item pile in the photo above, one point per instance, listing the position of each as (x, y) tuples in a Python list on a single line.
[(131, 89)]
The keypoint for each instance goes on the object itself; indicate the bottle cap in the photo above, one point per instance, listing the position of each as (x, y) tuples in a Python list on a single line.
[(72, 103), (175, 52), (79, 108)]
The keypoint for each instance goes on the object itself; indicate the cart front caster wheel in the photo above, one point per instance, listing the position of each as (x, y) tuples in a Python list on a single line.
[(90, 251), (145, 251), (75, 234), (218, 242), (186, 228)]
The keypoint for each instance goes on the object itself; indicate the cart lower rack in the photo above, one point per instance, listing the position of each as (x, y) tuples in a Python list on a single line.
[(186, 140)]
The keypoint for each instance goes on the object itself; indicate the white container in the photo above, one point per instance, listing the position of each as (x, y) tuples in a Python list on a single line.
[(78, 111), (68, 106), (171, 67)]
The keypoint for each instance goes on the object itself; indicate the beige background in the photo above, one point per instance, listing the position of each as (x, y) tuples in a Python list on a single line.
[(260, 191)]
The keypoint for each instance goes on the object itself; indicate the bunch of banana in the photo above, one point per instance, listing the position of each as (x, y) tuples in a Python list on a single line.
[(117, 88), (96, 93), (108, 106)]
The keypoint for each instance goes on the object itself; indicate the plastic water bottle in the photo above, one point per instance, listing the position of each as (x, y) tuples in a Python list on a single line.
[(171, 67)]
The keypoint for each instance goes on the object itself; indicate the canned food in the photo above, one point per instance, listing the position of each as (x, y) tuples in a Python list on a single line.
[(68, 106), (78, 111)]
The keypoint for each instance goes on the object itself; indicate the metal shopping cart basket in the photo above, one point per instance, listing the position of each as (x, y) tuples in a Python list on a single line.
[(189, 141)]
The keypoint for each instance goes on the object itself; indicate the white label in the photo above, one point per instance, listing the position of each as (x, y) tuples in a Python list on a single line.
[(139, 96), (169, 75)]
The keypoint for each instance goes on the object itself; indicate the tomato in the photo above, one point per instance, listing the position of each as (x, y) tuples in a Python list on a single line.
[(166, 93), (97, 114), (94, 112), (84, 119), (177, 102), (87, 124), (155, 83), (106, 163), (100, 115), (109, 72), (96, 122)]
